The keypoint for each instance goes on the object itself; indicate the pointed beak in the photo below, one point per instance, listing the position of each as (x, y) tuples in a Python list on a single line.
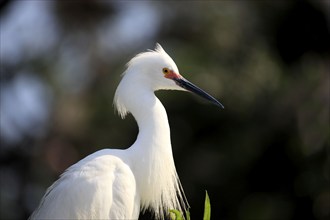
[(182, 82)]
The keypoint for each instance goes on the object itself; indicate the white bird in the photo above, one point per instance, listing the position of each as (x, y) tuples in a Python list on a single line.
[(118, 184)]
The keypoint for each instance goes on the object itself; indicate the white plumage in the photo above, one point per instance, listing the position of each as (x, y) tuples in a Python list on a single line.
[(118, 184)]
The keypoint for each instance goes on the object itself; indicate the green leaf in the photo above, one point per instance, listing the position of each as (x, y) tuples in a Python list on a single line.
[(207, 207), (175, 214), (187, 215)]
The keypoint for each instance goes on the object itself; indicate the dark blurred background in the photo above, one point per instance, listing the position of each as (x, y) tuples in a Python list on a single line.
[(264, 157)]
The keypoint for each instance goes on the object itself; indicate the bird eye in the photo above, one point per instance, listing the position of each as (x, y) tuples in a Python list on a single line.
[(166, 71)]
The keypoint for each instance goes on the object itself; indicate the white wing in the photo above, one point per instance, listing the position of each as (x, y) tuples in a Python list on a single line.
[(101, 186)]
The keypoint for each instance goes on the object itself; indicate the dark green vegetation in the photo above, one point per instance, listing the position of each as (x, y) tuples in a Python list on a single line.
[(177, 215)]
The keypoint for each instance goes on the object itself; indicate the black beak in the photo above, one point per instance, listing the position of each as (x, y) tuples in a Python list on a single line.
[(182, 82)]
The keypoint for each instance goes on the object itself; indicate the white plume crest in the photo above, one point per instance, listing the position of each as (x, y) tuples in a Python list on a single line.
[(119, 104)]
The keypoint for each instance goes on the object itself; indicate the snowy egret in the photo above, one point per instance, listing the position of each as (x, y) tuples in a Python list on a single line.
[(118, 184)]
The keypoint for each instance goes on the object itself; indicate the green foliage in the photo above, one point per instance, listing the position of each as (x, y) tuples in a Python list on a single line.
[(207, 207), (177, 215)]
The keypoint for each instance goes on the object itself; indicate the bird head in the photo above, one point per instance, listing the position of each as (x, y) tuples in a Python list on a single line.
[(151, 71), (158, 71)]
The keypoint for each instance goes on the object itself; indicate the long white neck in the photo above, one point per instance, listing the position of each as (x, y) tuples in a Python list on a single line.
[(151, 154)]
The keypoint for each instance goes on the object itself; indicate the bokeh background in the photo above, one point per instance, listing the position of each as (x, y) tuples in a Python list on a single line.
[(264, 157)]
